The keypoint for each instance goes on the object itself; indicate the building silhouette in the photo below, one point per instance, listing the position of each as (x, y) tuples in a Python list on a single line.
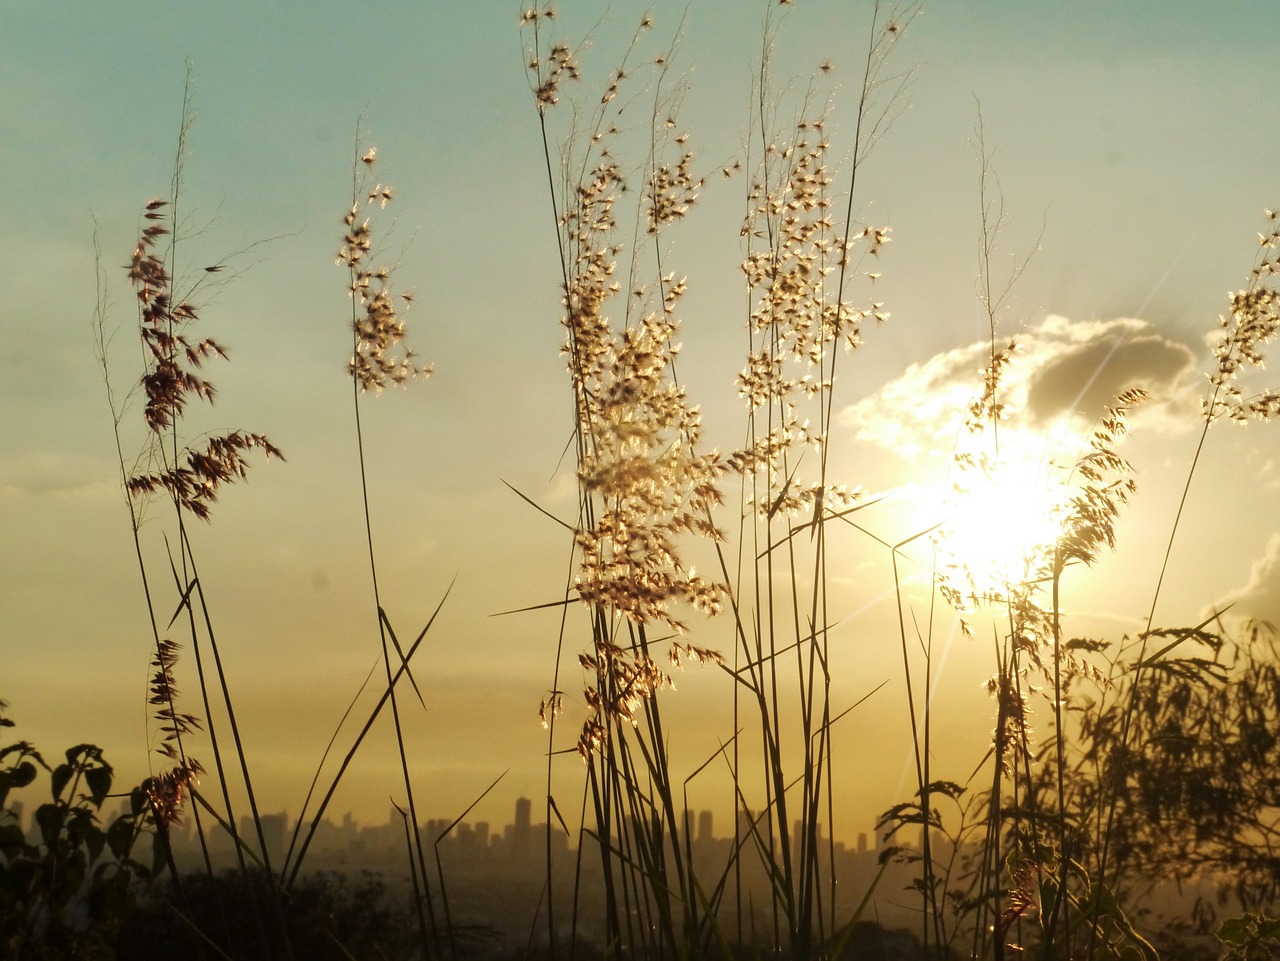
[(521, 841)]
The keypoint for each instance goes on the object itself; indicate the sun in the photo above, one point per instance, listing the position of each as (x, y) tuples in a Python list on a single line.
[(1003, 514)]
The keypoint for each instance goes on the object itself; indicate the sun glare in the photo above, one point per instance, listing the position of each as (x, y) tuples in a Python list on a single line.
[(1002, 515)]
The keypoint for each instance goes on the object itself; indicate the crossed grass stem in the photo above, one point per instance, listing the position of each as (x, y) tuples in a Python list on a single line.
[(551, 64), (1252, 323), (380, 357), (191, 478), (630, 570), (584, 294), (165, 791), (191, 488), (800, 321), (1089, 526)]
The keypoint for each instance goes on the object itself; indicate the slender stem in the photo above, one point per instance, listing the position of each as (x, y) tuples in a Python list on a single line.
[(379, 614)]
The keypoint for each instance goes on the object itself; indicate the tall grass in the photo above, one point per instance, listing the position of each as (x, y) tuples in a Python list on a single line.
[(643, 482), (1044, 874), (1030, 854), (1043, 848), (189, 475), (379, 357)]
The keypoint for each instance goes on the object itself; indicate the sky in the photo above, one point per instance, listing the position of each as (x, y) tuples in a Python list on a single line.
[(1133, 146)]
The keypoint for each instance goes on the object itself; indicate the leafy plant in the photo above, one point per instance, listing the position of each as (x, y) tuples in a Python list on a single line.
[(70, 883), (1250, 937)]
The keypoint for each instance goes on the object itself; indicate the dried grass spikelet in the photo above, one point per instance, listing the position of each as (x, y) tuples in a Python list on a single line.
[(639, 432), (194, 485), (172, 374), (548, 63), (164, 694), (670, 191), (797, 321), (986, 408), (622, 681), (1105, 486), (651, 486), (1252, 322), (645, 486), (379, 354), (1013, 733), (698, 655), (1023, 897), (172, 359), (551, 707), (167, 791), (788, 277)]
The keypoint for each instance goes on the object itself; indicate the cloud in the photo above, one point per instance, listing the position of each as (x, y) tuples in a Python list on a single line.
[(45, 472), (1084, 377), (1263, 469), (1064, 370), (1259, 597)]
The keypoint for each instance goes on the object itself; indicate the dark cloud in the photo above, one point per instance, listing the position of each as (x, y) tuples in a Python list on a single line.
[(1084, 379), (1063, 370)]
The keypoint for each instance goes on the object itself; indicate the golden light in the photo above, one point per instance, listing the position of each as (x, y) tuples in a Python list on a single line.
[(1003, 514)]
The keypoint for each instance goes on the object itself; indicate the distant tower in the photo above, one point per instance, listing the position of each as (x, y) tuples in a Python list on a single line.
[(273, 831), (704, 826), (522, 835)]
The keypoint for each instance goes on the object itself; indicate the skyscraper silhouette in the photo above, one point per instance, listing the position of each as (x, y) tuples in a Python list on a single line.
[(522, 830)]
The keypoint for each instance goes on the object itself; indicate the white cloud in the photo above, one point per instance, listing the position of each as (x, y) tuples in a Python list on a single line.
[(1263, 469), (1259, 597), (1064, 371)]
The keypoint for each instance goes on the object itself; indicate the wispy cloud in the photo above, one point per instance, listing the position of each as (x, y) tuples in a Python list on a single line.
[(57, 473), (1259, 597)]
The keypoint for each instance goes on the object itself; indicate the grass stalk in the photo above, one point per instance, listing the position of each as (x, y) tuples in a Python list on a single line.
[(376, 330)]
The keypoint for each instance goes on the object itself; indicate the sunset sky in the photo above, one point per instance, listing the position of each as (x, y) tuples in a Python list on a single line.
[(1135, 145)]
